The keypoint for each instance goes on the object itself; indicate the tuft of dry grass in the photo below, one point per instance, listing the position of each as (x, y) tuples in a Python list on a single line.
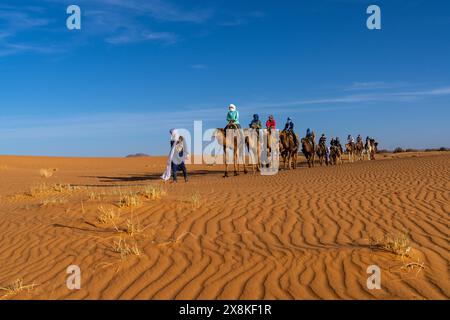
[(397, 244), (96, 196), (153, 193), (195, 200), (108, 216), (16, 287), (130, 200), (47, 173), (125, 249), (133, 228), (39, 189), (65, 188), (43, 189)]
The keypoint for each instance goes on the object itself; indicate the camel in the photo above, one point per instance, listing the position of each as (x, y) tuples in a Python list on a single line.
[(321, 153), (252, 142), (308, 151), (220, 136), (288, 150), (336, 153), (359, 149), (350, 149), (370, 148)]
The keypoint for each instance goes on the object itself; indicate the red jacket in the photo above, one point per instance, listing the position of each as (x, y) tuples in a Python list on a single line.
[(271, 124)]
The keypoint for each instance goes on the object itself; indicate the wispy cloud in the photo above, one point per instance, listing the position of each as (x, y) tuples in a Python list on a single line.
[(141, 36), (375, 85), (115, 22)]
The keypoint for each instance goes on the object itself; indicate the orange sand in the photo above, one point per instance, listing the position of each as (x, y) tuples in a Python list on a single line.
[(301, 234)]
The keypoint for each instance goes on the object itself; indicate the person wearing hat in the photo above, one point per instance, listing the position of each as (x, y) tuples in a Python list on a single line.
[(233, 116), (323, 139), (289, 127), (270, 123), (256, 123)]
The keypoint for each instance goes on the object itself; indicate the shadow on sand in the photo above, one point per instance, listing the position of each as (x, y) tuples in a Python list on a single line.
[(153, 176)]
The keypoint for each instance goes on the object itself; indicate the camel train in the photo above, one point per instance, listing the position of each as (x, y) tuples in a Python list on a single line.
[(244, 142)]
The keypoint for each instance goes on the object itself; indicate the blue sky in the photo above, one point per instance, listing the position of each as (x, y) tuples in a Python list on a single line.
[(138, 68)]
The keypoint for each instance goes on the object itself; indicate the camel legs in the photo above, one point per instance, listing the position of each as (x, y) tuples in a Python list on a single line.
[(226, 161)]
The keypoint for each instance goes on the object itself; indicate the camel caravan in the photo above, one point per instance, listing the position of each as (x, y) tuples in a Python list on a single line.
[(260, 146)]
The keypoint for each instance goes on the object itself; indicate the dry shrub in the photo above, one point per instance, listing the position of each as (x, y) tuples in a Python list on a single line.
[(108, 216), (195, 200), (129, 201), (397, 244), (125, 249), (133, 228), (65, 188), (17, 287), (39, 189), (96, 196), (153, 193), (47, 173)]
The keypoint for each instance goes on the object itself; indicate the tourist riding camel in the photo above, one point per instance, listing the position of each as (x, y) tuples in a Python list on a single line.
[(232, 118), (308, 149), (322, 150), (350, 148), (359, 148), (256, 123), (270, 123), (289, 128)]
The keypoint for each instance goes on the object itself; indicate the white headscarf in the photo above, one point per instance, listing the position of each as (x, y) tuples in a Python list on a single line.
[(232, 107), (174, 135)]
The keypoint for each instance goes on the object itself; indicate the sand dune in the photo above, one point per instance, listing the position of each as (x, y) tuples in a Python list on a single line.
[(301, 234)]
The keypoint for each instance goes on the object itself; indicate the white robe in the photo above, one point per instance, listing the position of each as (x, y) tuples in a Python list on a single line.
[(175, 136), (166, 175)]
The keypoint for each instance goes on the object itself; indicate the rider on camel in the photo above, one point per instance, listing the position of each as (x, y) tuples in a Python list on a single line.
[(256, 123), (323, 140), (232, 117), (359, 138), (289, 128), (270, 123), (350, 139)]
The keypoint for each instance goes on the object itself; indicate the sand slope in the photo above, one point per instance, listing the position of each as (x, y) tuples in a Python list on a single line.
[(302, 234)]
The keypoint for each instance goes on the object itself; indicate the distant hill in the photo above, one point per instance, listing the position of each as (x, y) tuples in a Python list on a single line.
[(137, 155)]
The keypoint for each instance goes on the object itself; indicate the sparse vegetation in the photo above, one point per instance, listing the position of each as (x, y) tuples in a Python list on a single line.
[(153, 193), (398, 150), (133, 228), (130, 200), (16, 287), (65, 188), (108, 216), (47, 173), (398, 244), (195, 200), (96, 196), (39, 189), (125, 250)]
